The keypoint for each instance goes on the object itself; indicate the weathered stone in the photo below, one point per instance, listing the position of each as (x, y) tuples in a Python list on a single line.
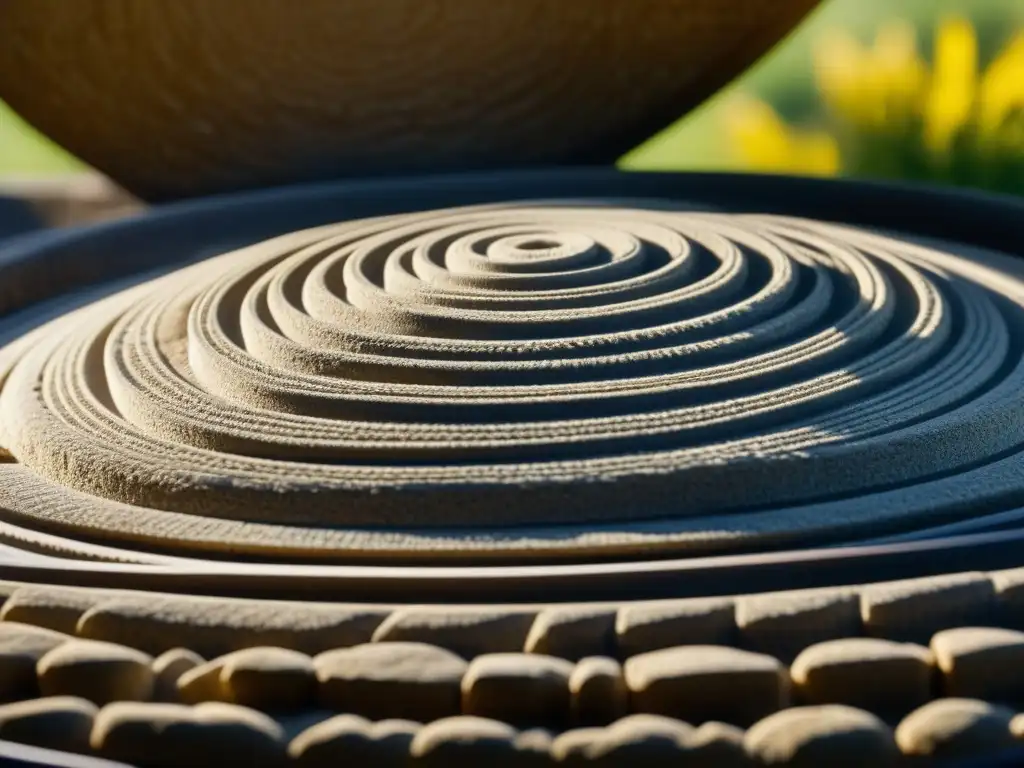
[(517, 688), (466, 632), (879, 676), (59, 722), (573, 632), (410, 681), (168, 668), (634, 740), (353, 740), (472, 742), (981, 663), (784, 623), (202, 683), (269, 679), (597, 691), (99, 672), (534, 747), (1009, 593), (573, 748), (832, 735), (700, 683), (215, 626), (174, 735), (21, 648), (57, 608), (651, 740), (947, 728), (644, 627), (915, 609), (717, 744)]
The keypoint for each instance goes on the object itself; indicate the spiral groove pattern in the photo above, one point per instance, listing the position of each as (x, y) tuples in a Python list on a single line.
[(566, 379), (567, 449)]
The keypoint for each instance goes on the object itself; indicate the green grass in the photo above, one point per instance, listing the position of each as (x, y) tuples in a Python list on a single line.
[(783, 77)]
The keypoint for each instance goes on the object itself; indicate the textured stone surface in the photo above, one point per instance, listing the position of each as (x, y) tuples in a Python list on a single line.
[(783, 624), (59, 722), (240, 418), (269, 679), (466, 632), (232, 484), (915, 609), (174, 735), (981, 663), (597, 691), (831, 735), (572, 632), (1009, 591), (21, 648), (576, 746), (99, 672), (643, 627), (716, 744), (55, 608), (213, 627), (635, 740), (955, 727), (202, 683), (191, 91), (700, 683), (468, 742), (877, 675), (410, 681), (353, 740), (518, 688), (168, 667)]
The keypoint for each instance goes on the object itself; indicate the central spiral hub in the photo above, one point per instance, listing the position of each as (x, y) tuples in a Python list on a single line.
[(534, 377)]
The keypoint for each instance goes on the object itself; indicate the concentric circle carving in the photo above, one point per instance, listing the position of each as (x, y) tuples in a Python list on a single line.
[(513, 449), (576, 380), (628, 376)]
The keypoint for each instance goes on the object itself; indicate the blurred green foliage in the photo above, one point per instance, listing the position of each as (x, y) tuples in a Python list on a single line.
[(928, 90)]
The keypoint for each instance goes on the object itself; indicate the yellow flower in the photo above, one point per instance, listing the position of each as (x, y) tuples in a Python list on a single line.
[(1001, 94), (765, 143), (894, 116), (953, 86), (872, 88)]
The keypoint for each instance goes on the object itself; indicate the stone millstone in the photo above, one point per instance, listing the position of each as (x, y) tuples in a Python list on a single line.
[(468, 471)]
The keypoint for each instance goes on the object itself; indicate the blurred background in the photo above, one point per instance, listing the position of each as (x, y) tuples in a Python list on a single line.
[(926, 90)]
